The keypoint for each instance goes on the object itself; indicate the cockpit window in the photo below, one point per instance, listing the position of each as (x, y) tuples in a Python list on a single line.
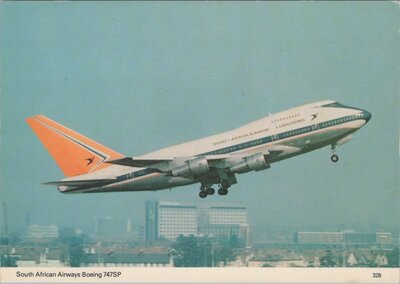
[(335, 104)]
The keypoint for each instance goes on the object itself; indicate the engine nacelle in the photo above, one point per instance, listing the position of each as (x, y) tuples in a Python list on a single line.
[(195, 167), (254, 162)]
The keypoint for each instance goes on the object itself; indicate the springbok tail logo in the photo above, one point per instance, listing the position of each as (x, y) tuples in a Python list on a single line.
[(74, 153), (90, 160)]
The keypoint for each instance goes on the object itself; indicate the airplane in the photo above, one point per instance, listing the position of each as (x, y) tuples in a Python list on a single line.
[(90, 167)]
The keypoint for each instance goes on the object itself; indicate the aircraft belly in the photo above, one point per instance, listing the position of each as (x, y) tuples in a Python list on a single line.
[(150, 182), (154, 181), (312, 141)]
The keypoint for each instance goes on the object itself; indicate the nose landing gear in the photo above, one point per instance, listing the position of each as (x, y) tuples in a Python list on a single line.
[(334, 157)]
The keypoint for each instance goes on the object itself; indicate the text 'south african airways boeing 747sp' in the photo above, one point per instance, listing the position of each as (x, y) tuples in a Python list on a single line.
[(91, 167)]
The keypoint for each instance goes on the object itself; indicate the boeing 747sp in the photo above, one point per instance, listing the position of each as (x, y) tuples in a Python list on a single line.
[(215, 160)]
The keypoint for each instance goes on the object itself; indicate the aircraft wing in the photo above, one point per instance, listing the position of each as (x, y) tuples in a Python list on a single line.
[(278, 149), (157, 163), (143, 163), (137, 162)]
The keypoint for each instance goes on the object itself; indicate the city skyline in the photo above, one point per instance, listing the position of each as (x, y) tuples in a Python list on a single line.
[(124, 227), (197, 235), (140, 76)]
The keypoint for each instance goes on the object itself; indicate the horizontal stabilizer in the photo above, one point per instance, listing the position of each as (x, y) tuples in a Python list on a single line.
[(87, 182)]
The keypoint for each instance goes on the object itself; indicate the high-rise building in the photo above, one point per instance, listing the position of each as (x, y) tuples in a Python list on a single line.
[(151, 222), (175, 219), (169, 220), (223, 214), (224, 220)]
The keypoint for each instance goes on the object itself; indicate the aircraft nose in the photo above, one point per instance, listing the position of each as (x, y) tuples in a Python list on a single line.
[(366, 115)]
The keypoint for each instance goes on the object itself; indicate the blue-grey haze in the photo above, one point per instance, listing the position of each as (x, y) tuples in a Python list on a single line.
[(138, 76)]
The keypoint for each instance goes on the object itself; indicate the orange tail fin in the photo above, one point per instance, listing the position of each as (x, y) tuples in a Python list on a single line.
[(74, 153)]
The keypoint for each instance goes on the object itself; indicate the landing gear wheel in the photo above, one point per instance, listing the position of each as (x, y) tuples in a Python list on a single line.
[(203, 194), (210, 191), (223, 191), (225, 184), (334, 158)]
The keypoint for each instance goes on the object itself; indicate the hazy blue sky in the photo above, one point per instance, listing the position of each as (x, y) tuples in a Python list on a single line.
[(139, 76)]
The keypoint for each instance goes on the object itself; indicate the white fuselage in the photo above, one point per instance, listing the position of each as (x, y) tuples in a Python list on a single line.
[(284, 134)]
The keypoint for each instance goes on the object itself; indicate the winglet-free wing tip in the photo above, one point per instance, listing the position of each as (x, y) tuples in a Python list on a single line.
[(34, 116)]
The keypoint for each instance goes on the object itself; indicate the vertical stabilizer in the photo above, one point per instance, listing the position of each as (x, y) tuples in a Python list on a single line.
[(74, 153)]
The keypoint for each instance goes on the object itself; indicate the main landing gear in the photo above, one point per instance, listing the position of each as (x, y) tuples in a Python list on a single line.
[(221, 177), (204, 191), (208, 190), (334, 157), (203, 194), (222, 191), (223, 188)]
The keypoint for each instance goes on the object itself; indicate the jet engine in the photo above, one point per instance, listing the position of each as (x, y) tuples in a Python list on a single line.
[(254, 162), (195, 167)]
